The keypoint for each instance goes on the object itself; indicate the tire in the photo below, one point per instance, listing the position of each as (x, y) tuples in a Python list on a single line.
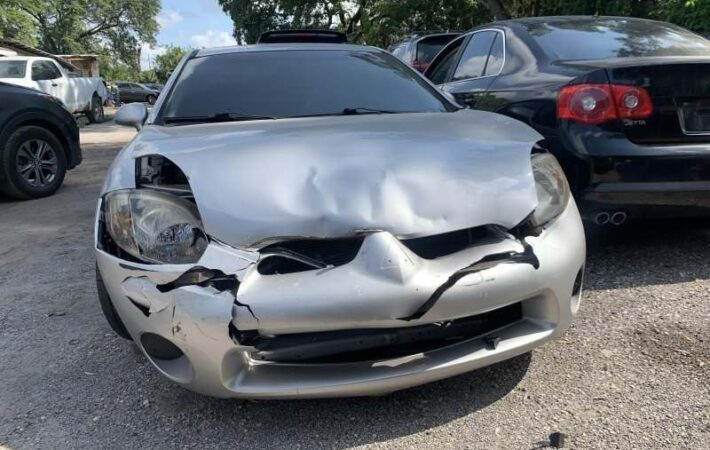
[(96, 113), (32, 163), (109, 311), (150, 99)]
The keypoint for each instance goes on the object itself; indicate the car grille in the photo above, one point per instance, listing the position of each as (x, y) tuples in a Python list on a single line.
[(337, 252)]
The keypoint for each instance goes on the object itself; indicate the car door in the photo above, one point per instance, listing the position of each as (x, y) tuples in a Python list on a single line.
[(477, 65), (49, 79)]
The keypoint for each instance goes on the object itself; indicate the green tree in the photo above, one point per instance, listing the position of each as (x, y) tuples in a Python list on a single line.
[(166, 62), (105, 27), (380, 22), (251, 18)]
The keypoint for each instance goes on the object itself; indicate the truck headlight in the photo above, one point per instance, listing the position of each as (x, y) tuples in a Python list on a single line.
[(552, 189), (155, 227)]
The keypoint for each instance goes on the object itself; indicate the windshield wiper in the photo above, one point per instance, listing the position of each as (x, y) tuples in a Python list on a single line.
[(360, 110), (350, 112), (219, 117)]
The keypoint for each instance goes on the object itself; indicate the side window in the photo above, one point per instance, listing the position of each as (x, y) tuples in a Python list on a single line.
[(441, 65), (44, 70), (497, 56), (122, 85), (473, 60)]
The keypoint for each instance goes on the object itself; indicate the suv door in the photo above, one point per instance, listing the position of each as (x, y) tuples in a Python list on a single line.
[(480, 61)]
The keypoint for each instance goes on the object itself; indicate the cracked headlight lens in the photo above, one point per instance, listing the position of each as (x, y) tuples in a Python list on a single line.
[(552, 189), (154, 226)]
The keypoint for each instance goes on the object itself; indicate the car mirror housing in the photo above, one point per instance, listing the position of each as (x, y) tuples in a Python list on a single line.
[(132, 115)]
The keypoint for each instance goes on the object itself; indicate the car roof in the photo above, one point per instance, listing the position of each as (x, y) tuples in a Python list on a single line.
[(566, 19), (284, 47)]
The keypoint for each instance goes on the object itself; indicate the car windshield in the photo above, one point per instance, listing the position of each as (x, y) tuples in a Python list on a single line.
[(281, 84), (580, 39), (13, 69)]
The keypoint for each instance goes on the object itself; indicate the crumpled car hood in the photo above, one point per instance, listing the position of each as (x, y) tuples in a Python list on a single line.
[(409, 174)]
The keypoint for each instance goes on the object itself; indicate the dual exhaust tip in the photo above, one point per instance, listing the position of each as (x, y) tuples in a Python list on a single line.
[(606, 217)]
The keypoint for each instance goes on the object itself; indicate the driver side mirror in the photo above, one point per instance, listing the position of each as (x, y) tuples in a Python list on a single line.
[(132, 115), (448, 95)]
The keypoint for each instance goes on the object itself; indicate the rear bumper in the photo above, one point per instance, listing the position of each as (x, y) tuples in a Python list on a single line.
[(610, 173), (197, 319), (649, 199)]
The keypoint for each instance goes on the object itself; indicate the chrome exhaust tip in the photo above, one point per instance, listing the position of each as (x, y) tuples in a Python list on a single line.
[(602, 218), (618, 218)]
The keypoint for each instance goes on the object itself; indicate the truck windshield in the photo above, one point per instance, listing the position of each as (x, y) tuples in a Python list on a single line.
[(13, 69), (297, 83)]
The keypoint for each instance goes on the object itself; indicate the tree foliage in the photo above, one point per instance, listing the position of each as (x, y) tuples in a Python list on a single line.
[(166, 62), (379, 22), (104, 27)]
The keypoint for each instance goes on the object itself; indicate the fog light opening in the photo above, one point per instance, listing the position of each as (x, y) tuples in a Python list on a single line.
[(577, 291), (167, 357), (159, 347)]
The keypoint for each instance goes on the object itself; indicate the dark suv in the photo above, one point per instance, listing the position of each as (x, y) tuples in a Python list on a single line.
[(421, 47)]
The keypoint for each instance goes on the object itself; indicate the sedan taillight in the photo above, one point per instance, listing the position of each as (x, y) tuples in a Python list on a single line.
[(598, 103), (420, 65)]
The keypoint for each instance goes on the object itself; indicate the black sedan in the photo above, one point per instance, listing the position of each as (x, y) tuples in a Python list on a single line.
[(39, 142), (136, 92), (623, 103)]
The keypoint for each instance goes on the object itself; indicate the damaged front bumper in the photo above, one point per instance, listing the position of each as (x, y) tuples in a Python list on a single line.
[(387, 320)]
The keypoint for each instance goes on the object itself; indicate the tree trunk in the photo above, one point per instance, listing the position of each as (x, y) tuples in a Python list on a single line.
[(497, 8)]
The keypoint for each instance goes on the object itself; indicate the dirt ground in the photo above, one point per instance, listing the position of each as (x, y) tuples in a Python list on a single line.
[(632, 372)]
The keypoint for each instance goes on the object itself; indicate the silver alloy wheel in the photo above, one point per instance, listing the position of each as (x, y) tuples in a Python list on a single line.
[(36, 162)]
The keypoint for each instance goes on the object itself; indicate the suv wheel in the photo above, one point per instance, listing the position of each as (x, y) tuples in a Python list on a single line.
[(32, 163)]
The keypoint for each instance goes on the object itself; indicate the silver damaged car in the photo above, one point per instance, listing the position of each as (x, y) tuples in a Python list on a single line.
[(317, 220)]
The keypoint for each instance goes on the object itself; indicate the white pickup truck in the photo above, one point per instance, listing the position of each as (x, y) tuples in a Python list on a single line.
[(80, 95)]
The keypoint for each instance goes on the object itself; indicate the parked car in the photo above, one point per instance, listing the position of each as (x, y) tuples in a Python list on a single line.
[(313, 220), (302, 36), (39, 142), (155, 86), (622, 103), (420, 48), (136, 92), (80, 95)]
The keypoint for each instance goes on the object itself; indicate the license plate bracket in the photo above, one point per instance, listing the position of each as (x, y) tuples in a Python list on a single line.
[(694, 115)]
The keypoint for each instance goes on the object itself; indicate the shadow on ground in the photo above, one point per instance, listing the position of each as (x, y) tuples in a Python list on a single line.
[(348, 422), (673, 251)]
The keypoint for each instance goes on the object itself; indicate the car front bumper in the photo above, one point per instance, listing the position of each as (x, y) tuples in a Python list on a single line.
[(374, 291)]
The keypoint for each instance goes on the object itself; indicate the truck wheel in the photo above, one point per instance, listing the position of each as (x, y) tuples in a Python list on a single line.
[(96, 113), (32, 163), (150, 99)]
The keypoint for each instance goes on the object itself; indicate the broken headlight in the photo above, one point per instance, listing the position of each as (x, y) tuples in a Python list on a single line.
[(551, 186), (154, 226)]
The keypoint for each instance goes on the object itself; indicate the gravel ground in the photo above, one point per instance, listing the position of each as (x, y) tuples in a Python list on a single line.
[(632, 372)]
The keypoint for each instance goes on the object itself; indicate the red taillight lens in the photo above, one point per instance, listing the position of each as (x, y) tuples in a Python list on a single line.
[(598, 103), (632, 102), (420, 65)]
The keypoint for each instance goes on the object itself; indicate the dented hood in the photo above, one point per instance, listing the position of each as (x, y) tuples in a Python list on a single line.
[(409, 174)]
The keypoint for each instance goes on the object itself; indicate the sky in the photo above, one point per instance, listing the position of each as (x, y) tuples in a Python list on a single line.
[(189, 23)]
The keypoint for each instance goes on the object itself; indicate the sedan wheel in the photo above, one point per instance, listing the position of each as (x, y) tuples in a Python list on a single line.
[(32, 162)]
